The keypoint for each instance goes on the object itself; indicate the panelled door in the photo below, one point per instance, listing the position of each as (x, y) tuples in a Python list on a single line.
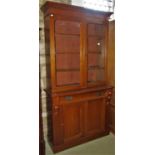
[(66, 50), (95, 116), (96, 53), (73, 120), (78, 52)]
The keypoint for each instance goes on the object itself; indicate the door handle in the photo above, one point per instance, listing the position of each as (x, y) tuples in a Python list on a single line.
[(68, 98)]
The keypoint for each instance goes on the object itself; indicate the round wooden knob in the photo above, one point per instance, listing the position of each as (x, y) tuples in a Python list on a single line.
[(107, 103), (110, 93), (56, 107)]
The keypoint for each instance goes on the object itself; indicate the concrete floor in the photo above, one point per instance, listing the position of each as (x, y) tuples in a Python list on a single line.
[(100, 146)]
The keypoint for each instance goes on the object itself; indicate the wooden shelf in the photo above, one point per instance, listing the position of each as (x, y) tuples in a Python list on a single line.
[(94, 52), (67, 34), (67, 70), (90, 35), (78, 52), (95, 67)]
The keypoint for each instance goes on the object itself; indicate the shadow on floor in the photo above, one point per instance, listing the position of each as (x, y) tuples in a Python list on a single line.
[(100, 146)]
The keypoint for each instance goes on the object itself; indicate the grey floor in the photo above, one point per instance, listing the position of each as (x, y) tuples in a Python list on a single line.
[(100, 146)]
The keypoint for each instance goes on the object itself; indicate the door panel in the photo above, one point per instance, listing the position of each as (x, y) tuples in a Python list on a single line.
[(95, 116), (96, 53), (67, 27), (67, 36), (57, 124), (73, 115)]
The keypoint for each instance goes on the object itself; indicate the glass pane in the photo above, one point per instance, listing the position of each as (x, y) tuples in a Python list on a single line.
[(67, 61), (67, 27), (95, 53), (67, 41), (68, 78), (95, 29)]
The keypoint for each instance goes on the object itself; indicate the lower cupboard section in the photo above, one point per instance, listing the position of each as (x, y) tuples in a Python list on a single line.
[(79, 121), (95, 116)]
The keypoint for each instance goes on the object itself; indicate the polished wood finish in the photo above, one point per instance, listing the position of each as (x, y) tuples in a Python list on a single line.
[(77, 40), (112, 118), (73, 117), (111, 53), (96, 110), (54, 8), (79, 116), (111, 72)]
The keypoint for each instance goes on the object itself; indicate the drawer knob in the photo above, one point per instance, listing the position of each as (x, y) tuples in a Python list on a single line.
[(109, 97), (108, 103), (68, 98), (56, 107), (110, 93)]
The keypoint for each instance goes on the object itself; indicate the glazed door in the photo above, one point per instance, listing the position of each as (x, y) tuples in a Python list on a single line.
[(66, 53), (96, 53), (95, 116), (73, 120)]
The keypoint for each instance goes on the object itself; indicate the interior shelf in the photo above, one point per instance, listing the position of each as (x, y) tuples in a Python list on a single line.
[(94, 52), (68, 34), (67, 70), (67, 52), (95, 67)]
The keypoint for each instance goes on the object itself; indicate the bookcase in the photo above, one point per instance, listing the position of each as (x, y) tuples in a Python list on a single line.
[(77, 42)]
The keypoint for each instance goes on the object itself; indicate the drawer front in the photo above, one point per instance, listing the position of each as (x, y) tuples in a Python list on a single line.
[(70, 98), (94, 94), (82, 96)]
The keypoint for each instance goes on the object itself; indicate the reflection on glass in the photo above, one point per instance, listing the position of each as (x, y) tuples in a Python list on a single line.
[(95, 53), (67, 41)]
